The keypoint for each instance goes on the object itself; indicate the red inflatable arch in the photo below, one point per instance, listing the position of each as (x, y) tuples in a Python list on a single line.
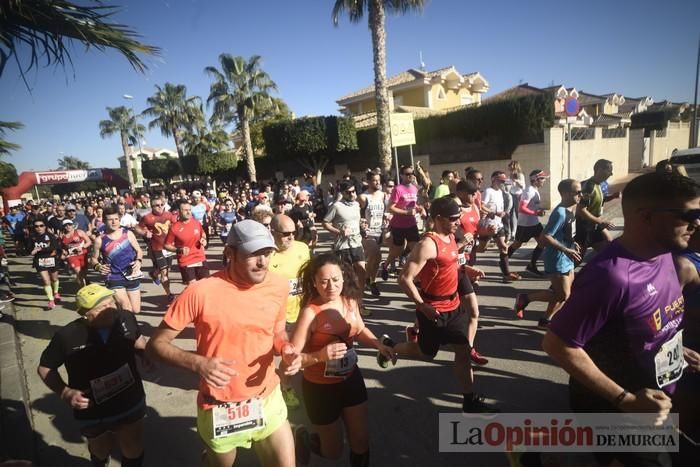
[(26, 181)]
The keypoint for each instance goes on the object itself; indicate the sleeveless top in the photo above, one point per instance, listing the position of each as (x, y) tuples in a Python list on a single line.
[(75, 244), (330, 327), (119, 254), (374, 213), (438, 278)]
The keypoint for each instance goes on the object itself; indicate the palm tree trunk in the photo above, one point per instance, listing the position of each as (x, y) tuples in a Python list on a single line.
[(127, 161), (180, 152), (249, 156), (381, 98)]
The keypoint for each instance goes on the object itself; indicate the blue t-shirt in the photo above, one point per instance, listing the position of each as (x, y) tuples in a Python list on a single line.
[(13, 220), (199, 211), (227, 219), (562, 228)]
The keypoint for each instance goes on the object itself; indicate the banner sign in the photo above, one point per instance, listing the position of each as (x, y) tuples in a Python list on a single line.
[(402, 131), (67, 176)]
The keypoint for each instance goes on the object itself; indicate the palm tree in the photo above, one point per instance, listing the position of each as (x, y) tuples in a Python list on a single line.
[(376, 10), (48, 27), (72, 163), (6, 146), (122, 121), (238, 90), (174, 112)]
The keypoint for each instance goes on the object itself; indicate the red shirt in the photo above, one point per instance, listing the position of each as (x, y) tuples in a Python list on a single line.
[(438, 278), (470, 219), (187, 234), (159, 227)]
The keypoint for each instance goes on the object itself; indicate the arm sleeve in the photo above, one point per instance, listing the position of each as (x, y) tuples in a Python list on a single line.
[(556, 221), (585, 313), (525, 199)]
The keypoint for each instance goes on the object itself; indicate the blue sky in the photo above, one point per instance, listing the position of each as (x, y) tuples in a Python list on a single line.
[(635, 48)]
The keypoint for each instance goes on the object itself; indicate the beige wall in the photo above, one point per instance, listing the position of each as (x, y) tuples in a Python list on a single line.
[(414, 97), (636, 149), (677, 136)]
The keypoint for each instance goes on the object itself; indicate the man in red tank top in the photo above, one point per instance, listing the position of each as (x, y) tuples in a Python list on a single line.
[(441, 317)]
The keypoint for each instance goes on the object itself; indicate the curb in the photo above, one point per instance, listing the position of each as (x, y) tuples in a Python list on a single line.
[(16, 425)]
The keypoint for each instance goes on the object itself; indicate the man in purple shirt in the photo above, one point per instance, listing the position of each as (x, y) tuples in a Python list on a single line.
[(618, 335)]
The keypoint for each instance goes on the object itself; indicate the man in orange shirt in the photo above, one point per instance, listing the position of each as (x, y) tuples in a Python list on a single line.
[(239, 319)]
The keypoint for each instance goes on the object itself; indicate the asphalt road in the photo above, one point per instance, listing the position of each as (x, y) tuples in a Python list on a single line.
[(404, 401)]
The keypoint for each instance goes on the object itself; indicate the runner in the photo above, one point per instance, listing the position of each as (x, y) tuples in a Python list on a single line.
[(373, 203), (104, 385), (287, 261), (75, 244), (44, 247), (333, 386), (186, 237), (201, 211), (439, 311), (126, 220), (118, 256), (561, 254), (492, 206), (616, 331), (591, 229), (239, 320), (14, 221), (304, 216), (343, 221), (529, 224), (403, 224), (154, 227), (443, 189)]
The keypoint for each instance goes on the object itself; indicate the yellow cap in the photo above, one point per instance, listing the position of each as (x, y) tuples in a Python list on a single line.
[(91, 295)]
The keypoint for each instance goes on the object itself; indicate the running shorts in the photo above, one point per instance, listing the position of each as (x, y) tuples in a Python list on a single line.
[(450, 328), (325, 402)]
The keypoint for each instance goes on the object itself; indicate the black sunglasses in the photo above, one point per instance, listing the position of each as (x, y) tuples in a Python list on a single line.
[(285, 234), (686, 215), (39, 225)]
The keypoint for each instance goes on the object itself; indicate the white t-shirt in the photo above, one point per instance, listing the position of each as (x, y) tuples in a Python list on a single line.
[(128, 221), (518, 185), (532, 197), (493, 201)]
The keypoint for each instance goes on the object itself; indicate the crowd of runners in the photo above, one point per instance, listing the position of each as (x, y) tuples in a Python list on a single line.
[(280, 307)]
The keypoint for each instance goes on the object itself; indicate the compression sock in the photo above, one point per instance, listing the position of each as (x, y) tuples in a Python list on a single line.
[(54, 286), (48, 291), (135, 462), (503, 264), (359, 460), (536, 253), (510, 250)]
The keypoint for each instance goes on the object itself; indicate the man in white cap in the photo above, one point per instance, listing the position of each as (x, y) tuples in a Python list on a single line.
[(239, 323)]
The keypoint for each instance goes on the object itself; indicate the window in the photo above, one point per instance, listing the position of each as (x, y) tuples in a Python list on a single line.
[(466, 99), (398, 100), (441, 93)]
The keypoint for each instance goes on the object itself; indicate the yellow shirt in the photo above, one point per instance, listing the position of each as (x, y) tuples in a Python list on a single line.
[(287, 264)]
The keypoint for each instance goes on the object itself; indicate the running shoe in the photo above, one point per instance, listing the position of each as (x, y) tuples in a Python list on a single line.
[(51, 305), (382, 361), (6, 297), (531, 268), (156, 280), (365, 312), (520, 304), (57, 297), (477, 405), (411, 334), (385, 271), (477, 358), (543, 323), (302, 445), (374, 290), (510, 277), (290, 398)]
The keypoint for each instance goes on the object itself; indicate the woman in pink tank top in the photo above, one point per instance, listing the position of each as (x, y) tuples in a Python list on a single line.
[(333, 387)]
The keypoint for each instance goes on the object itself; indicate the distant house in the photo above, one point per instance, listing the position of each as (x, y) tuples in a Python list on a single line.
[(417, 91), (138, 156)]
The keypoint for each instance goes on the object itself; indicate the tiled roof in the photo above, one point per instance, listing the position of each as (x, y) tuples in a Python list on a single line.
[(585, 98), (403, 78), (516, 91)]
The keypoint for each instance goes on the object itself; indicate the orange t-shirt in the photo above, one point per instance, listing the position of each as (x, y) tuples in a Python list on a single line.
[(235, 324)]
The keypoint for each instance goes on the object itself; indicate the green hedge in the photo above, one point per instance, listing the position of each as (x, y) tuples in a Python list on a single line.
[(309, 136), (209, 164), (160, 169)]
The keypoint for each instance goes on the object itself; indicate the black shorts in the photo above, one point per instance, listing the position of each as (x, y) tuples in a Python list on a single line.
[(408, 234), (94, 428), (464, 284), (160, 262), (351, 255), (499, 233), (190, 274), (325, 402), (450, 328), (588, 234), (525, 233)]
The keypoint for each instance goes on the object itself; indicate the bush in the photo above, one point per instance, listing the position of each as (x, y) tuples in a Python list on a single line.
[(160, 169)]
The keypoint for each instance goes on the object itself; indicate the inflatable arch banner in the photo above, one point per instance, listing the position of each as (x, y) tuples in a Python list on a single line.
[(13, 195)]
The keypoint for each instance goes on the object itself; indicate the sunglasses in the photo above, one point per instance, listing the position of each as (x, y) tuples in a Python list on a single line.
[(408, 174), (36, 226), (286, 234), (391, 186), (686, 215)]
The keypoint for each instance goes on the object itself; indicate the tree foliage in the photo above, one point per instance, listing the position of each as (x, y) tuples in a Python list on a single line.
[(160, 169), (6, 146), (72, 163), (47, 28), (8, 175), (276, 111), (123, 122)]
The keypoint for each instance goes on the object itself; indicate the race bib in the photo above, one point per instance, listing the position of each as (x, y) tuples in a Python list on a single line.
[(133, 276), (669, 361), (49, 262), (3, 261), (341, 367), (236, 417), (376, 222), (462, 259), (195, 265), (76, 250), (108, 386), (294, 287), (168, 254)]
